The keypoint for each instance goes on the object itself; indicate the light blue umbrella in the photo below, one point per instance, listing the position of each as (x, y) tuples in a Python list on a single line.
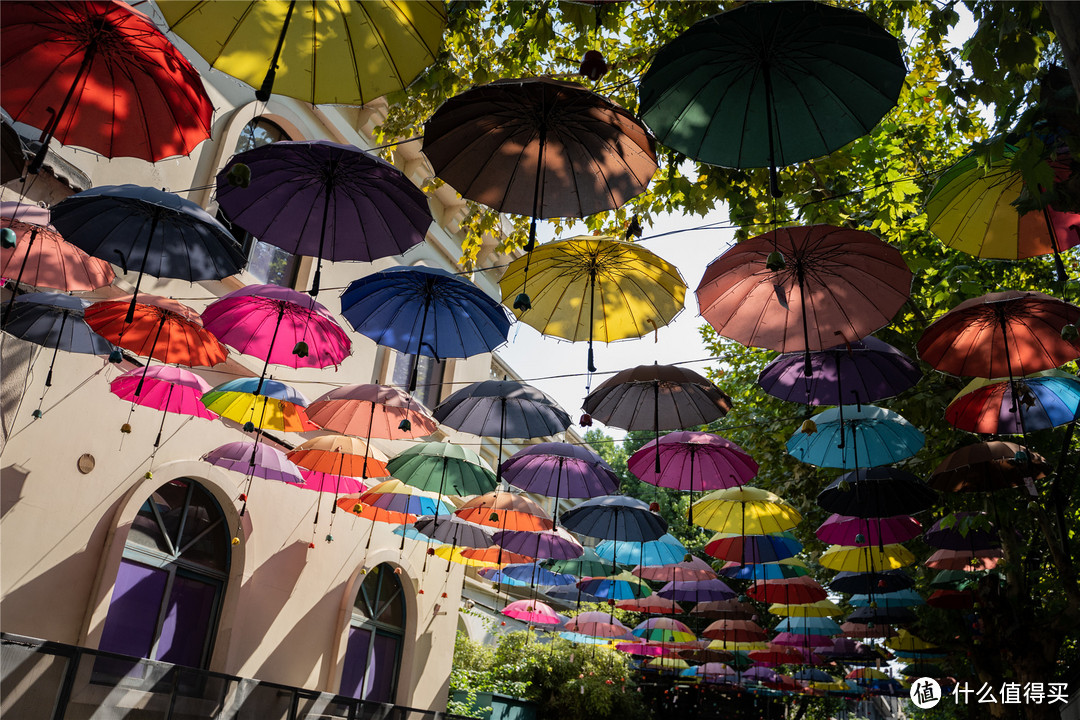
[(569, 593), (853, 437), (763, 571), (526, 574), (664, 551), (580, 639), (809, 626), (900, 598)]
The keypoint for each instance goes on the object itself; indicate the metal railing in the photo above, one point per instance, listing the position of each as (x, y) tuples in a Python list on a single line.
[(44, 680)]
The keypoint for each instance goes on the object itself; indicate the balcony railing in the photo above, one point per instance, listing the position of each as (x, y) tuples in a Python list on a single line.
[(43, 680)]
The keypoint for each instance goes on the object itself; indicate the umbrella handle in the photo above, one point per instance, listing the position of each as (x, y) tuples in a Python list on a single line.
[(264, 92)]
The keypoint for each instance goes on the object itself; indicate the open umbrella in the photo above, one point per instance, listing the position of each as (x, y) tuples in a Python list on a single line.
[(425, 311), (340, 458), (560, 470), (665, 550), (454, 531), (899, 598), (986, 466), (255, 459), (789, 567), (856, 437), (595, 288), (496, 555), (368, 411), (890, 615), (864, 583), (772, 84), (617, 518), (160, 328), (325, 200), (444, 469), (42, 258), (556, 544), (622, 586), (505, 511), (697, 590), (525, 574), (275, 406), (663, 630), (653, 605), (850, 530), (968, 531), (867, 558), (102, 76), (724, 610), (735, 630), (165, 388), (877, 493), (966, 560), (745, 510), (752, 548), (597, 624), (342, 54), (787, 591), (532, 612), (821, 608), (691, 568), (828, 285), (999, 407)]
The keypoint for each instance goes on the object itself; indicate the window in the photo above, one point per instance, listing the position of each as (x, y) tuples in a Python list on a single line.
[(266, 262), (168, 590), (376, 634), (429, 377)]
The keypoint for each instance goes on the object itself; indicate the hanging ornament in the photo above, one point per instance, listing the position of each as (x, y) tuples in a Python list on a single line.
[(593, 65)]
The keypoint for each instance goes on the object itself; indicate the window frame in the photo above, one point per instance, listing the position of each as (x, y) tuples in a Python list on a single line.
[(376, 628)]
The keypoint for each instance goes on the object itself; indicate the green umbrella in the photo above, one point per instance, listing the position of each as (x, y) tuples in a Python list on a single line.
[(443, 468), (769, 84), (588, 565)]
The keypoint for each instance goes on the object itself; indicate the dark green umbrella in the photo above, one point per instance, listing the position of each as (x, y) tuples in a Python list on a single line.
[(443, 468), (588, 565), (769, 84)]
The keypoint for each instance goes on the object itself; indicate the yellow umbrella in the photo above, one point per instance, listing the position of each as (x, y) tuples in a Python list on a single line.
[(594, 288), (867, 559), (453, 554), (732, 646), (344, 53), (906, 642), (666, 663), (745, 510), (821, 608)]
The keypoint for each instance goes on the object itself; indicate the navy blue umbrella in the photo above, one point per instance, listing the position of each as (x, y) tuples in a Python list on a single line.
[(877, 492), (149, 231), (871, 582), (615, 517), (890, 615), (425, 311)]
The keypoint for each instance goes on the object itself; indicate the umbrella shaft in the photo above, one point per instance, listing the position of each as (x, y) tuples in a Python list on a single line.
[(18, 279), (56, 349), (50, 130), (267, 87), (270, 350)]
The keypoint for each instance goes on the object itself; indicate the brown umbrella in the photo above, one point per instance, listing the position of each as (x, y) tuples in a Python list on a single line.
[(1004, 334), (657, 397), (735, 631), (800, 289), (993, 465), (857, 630), (723, 609)]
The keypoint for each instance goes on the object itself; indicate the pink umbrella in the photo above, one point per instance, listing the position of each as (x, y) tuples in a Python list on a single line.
[(258, 459), (166, 388), (644, 648), (847, 530), (330, 483), (692, 461), (693, 569), (371, 411), (597, 624), (971, 561), (532, 611), (653, 605)]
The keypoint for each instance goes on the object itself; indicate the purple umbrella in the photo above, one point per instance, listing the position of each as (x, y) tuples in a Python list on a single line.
[(556, 544), (758, 674), (560, 470), (848, 530), (697, 591), (325, 200), (963, 534), (257, 459), (860, 372), (803, 641)]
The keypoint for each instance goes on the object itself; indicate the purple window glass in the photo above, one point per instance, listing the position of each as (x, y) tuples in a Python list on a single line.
[(187, 622), (133, 613), (356, 656), (380, 679)]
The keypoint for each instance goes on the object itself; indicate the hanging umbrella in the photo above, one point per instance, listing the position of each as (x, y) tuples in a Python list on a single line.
[(866, 674), (787, 591), (461, 557), (579, 639), (693, 460), (324, 200), (734, 630), (526, 574), (987, 466), (425, 311), (866, 559), (971, 208), (745, 510), (809, 625), (753, 548), (340, 54), (505, 511), (899, 598), (693, 568), (889, 615), (165, 388), (1004, 334), (148, 231), (877, 493), (644, 648), (849, 530), (279, 325), (276, 406), (653, 605), (496, 555), (134, 93), (776, 655), (443, 468), (369, 411), (850, 651), (663, 630), (697, 590), (712, 668), (968, 531), (666, 664), (590, 564), (665, 550), (622, 586), (967, 560), (160, 328), (856, 437), (768, 86), (560, 470), (12, 153), (910, 643), (556, 544), (871, 582), (42, 258), (724, 609), (805, 642), (595, 288), (951, 600), (863, 371), (258, 459), (615, 517), (821, 608), (597, 624), (829, 285), (570, 594), (999, 407), (532, 611), (453, 531), (340, 457), (789, 567)]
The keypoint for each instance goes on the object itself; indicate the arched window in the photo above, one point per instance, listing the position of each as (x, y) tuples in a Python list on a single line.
[(171, 580), (266, 262), (376, 634)]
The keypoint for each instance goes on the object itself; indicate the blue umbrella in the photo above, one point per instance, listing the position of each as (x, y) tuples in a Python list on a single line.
[(809, 625), (526, 574), (900, 598), (764, 571), (618, 587), (150, 231), (425, 311), (569, 594), (813, 675), (852, 437), (580, 639), (665, 550), (413, 534), (696, 591)]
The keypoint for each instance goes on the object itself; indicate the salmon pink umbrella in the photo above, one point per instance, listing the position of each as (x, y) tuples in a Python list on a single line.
[(966, 560), (693, 568), (505, 511), (41, 256), (372, 411), (532, 612), (165, 388), (597, 624), (653, 605)]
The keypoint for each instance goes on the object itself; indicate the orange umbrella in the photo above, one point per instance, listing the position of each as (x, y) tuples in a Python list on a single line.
[(506, 511), (495, 555), (42, 258), (340, 455), (377, 411), (162, 329)]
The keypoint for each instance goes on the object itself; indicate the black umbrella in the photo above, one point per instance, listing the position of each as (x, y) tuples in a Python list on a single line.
[(877, 492), (871, 582), (889, 615)]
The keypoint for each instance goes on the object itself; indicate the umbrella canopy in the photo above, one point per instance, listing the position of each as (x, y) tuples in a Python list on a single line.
[(443, 468), (54, 320), (666, 664), (160, 328), (889, 615), (789, 567), (856, 437), (968, 531), (333, 483), (453, 530), (135, 94), (1000, 407), (767, 86), (590, 564), (753, 548), (899, 598), (951, 599), (910, 643), (524, 574), (395, 495), (340, 455), (776, 655), (724, 609), (657, 397), (275, 406), (745, 509), (834, 283), (615, 517), (712, 669), (697, 590), (556, 544), (803, 641), (42, 258), (503, 409), (863, 371), (165, 388), (664, 630), (496, 555), (693, 569), (871, 582), (594, 288), (809, 625), (342, 54), (645, 648), (1003, 334), (378, 411), (866, 559), (325, 200), (570, 594), (560, 470), (279, 325), (992, 465), (505, 511), (461, 556), (876, 493), (532, 612), (425, 311), (623, 586), (821, 608), (665, 550), (12, 153), (733, 630), (848, 530), (787, 591), (966, 560), (653, 605), (693, 461), (257, 459), (597, 624)]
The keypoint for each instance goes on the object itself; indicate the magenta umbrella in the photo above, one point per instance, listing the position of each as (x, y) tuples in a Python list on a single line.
[(692, 461), (848, 530), (532, 611), (644, 648), (331, 483), (166, 388), (257, 459), (556, 544), (801, 641)]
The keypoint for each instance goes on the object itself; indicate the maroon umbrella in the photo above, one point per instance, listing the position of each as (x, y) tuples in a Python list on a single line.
[(993, 465)]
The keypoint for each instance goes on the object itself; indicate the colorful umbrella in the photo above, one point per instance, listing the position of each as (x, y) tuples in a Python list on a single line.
[(767, 86), (42, 258), (663, 630), (999, 407), (556, 544), (753, 549), (910, 643), (789, 567), (877, 493), (644, 648), (532, 611), (665, 550), (530, 574), (135, 94), (255, 459), (653, 605), (866, 559), (341, 54), (342, 457), (986, 466), (1005, 334), (856, 437), (828, 284), (505, 511), (697, 590), (276, 406), (165, 388), (744, 510), (460, 556), (622, 586), (425, 311), (594, 288), (150, 231), (369, 411), (159, 328), (849, 530), (560, 470), (803, 641), (443, 468), (367, 208), (776, 655)]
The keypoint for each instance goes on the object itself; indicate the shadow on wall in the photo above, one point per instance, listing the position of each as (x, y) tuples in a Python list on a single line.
[(16, 358), (31, 608), (12, 480)]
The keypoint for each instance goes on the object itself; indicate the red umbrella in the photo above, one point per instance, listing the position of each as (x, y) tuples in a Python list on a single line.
[(788, 591), (42, 258), (100, 75), (804, 288), (777, 655)]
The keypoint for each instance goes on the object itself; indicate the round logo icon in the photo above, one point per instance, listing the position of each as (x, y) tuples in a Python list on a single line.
[(925, 693)]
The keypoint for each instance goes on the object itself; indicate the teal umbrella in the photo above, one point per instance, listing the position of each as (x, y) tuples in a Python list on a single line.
[(769, 84)]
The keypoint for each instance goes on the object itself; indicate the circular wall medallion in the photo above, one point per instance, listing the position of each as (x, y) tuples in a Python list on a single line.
[(86, 463)]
